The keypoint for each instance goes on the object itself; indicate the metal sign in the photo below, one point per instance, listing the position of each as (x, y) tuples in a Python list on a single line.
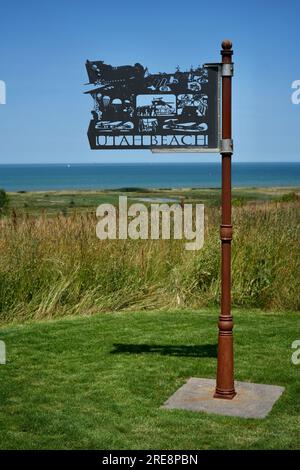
[(134, 109), (174, 112)]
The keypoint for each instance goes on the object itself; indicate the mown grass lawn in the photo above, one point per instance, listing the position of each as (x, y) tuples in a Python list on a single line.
[(98, 382)]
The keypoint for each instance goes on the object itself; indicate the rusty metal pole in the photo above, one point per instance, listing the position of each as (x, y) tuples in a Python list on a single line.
[(225, 373)]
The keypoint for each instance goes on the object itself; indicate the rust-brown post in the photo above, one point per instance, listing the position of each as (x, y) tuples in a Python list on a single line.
[(225, 374)]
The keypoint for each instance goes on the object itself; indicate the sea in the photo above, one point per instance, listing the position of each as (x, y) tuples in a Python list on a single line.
[(45, 177)]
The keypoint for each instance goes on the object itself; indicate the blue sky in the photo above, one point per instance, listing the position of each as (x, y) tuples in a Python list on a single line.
[(44, 46)]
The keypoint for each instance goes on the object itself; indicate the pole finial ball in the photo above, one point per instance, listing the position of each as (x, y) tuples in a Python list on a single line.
[(226, 45)]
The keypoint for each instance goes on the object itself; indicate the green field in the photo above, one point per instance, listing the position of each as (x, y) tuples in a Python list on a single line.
[(98, 382), (99, 334), (52, 264), (66, 202)]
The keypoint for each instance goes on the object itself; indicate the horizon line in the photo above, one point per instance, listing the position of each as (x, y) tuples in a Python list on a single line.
[(143, 163)]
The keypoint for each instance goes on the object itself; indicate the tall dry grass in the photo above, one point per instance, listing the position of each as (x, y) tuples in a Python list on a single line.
[(57, 266)]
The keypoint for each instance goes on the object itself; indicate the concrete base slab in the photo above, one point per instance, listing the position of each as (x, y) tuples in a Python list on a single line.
[(251, 401)]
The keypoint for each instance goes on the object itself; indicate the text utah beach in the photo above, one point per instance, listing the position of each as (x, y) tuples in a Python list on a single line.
[(152, 140)]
